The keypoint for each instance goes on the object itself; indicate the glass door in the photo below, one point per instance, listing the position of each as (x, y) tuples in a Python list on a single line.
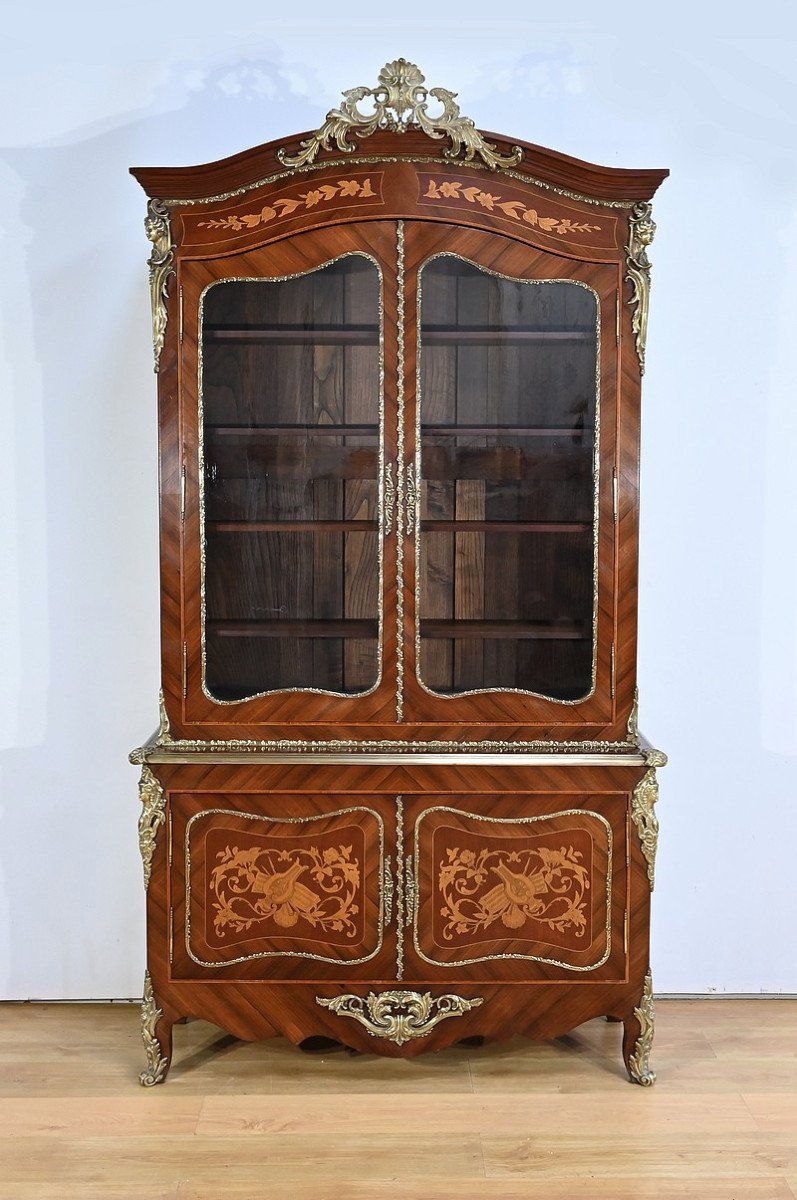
[(507, 441), (291, 460)]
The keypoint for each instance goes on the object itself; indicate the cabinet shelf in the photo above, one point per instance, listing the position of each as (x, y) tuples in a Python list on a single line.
[(541, 431), (489, 335), (516, 630), (337, 430), (506, 527), (354, 526), (309, 628), (294, 335)]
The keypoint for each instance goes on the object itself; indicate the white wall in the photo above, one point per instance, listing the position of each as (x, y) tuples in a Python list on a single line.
[(88, 89)]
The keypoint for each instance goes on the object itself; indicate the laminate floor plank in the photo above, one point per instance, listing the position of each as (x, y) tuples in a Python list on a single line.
[(510, 1121)]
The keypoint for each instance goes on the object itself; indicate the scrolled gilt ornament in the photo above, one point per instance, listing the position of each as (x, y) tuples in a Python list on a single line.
[(153, 815), (400, 102), (161, 268), (164, 729), (157, 1065), (643, 802), (399, 1016), (642, 230), (387, 890), (632, 733), (639, 1061)]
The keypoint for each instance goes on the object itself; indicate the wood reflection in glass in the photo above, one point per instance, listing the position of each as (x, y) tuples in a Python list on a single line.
[(507, 423), (291, 434)]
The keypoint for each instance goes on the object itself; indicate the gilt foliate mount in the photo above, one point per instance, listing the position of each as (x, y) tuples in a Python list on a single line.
[(401, 102)]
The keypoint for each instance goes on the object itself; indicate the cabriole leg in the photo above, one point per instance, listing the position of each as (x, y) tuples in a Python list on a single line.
[(638, 1038), (156, 1031)]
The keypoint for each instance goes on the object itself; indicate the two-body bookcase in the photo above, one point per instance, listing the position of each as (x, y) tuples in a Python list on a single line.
[(397, 796)]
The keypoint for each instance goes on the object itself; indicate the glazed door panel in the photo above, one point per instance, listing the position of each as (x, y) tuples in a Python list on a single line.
[(289, 429), (510, 430), (518, 888), (282, 886)]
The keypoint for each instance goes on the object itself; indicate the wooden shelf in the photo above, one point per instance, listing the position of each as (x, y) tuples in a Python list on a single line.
[(516, 630), (541, 431), (294, 335), (295, 629), (485, 335), (506, 527), (293, 526), (340, 430)]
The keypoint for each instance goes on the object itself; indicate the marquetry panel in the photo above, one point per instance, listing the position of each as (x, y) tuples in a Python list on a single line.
[(540, 893), (275, 885)]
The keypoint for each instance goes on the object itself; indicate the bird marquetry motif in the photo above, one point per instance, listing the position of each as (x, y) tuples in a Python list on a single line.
[(543, 884), (254, 886)]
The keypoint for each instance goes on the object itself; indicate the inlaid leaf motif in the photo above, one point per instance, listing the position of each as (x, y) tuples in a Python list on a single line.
[(542, 883), (252, 885), (283, 206), (516, 209)]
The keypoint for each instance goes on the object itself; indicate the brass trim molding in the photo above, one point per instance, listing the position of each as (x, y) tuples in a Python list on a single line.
[(399, 1016), (153, 815), (642, 230), (643, 801), (157, 1065), (161, 268), (400, 898), (388, 498), (639, 1061), (387, 890), (400, 103)]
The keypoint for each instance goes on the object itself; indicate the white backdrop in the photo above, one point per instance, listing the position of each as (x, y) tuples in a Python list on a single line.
[(89, 89)]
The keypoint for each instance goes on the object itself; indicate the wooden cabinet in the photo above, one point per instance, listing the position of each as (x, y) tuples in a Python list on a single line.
[(397, 795)]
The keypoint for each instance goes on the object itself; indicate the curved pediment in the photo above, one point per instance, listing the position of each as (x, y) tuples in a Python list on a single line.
[(397, 119)]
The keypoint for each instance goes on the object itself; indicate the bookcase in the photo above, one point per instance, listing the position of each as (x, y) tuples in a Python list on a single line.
[(397, 796)]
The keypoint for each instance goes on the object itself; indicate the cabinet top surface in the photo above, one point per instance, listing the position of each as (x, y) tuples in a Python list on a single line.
[(399, 119)]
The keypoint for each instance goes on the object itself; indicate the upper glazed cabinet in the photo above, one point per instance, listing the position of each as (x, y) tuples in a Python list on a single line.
[(399, 375)]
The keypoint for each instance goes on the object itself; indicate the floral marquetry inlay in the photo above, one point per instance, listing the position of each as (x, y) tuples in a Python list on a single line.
[(341, 191), (456, 189), (251, 885), (542, 884)]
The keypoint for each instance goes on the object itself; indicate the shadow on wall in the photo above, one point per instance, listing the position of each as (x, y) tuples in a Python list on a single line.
[(82, 637)]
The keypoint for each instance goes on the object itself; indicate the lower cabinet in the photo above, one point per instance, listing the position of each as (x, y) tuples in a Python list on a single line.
[(396, 910)]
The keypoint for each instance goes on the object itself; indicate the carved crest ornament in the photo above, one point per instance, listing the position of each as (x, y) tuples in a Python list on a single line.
[(401, 102)]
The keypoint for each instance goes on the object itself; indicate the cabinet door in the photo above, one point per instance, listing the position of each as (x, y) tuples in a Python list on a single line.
[(286, 404), (511, 438), (282, 886), (538, 894)]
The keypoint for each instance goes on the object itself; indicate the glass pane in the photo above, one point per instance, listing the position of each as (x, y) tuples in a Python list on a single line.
[(507, 433), (291, 413)]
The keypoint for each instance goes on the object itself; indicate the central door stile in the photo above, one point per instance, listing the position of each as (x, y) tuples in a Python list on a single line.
[(400, 898), (400, 484)]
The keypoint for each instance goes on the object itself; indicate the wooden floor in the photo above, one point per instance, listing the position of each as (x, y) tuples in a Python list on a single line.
[(555, 1120)]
